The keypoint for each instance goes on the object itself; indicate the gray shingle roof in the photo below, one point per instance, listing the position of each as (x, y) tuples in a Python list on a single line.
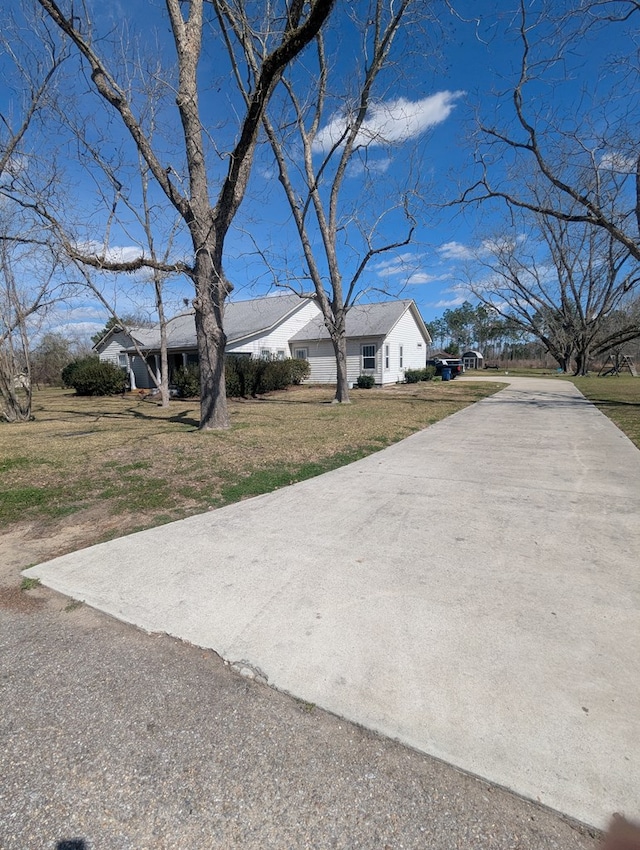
[(363, 320), (241, 319)]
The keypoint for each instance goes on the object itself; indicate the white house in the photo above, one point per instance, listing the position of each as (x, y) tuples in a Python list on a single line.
[(382, 339), (260, 327)]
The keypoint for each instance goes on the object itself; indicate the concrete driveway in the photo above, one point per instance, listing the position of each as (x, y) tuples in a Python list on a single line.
[(473, 591)]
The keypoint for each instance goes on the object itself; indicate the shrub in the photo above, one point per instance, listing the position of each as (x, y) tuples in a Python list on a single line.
[(300, 369), (429, 373), (186, 380), (91, 376), (67, 373), (248, 377), (233, 381), (365, 382), (412, 376), (245, 376)]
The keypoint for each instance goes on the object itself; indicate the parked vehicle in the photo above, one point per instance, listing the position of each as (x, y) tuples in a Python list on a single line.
[(454, 364)]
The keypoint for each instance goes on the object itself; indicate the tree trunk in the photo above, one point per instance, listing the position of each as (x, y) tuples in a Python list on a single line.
[(342, 385), (16, 397), (582, 362), (209, 309), (164, 358)]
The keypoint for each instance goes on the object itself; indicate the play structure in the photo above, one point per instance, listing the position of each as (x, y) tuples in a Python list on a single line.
[(618, 363)]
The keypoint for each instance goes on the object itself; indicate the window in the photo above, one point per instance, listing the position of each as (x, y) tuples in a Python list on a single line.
[(280, 354), (401, 356), (386, 357), (265, 354), (300, 354), (368, 357), (123, 360)]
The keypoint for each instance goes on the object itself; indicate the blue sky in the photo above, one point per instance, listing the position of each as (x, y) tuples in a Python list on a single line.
[(425, 114)]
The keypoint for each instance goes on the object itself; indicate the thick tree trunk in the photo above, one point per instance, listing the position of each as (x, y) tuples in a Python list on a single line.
[(342, 385), (582, 363), (209, 309), (16, 398)]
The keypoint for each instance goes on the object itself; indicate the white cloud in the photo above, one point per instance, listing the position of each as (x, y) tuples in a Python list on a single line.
[(78, 330), (424, 277), (455, 251), (83, 314), (15, 165), (409, 266), (390, 123), (619, 162), (399, 264), (458, 251), (371, 166), (114, 254), (450, 302)]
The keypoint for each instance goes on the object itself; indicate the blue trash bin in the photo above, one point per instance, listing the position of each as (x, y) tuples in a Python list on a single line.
[(446, 374)]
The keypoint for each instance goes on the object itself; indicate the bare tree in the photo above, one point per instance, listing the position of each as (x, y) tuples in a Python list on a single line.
[(283, 30), (27, 290), (562, 283), (317, 149), (31, 59), (585, 151), (26, 272)]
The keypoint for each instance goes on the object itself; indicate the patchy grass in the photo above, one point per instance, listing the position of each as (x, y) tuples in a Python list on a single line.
[(618, 397), (122, 464), (29, 583)]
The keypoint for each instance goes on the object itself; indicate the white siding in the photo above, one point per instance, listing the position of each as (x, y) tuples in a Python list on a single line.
[(414, 349), (322, 360), (114, 346), (278, 338)]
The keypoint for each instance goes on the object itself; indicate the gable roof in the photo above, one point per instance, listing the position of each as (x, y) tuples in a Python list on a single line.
[(366, 320), (241, 319), (142, 336), (260, 315)]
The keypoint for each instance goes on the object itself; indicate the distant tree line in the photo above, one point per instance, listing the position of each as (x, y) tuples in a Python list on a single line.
[(552, 332)]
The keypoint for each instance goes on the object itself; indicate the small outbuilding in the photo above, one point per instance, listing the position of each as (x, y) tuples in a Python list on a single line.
[(472, 360)]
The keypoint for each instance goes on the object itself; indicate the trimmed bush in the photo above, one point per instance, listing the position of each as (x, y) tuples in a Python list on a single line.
[(365, 382), (248, 377), (299, 370), (429, 373), (70, 369), (186, 380), (91, 376), (412, 376)]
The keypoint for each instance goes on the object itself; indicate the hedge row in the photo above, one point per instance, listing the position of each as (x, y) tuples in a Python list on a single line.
[(412, 376), (246, 377)]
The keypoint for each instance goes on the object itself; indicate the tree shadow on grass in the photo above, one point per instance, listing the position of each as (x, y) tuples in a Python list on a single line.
[(601, 402), (181, 418)]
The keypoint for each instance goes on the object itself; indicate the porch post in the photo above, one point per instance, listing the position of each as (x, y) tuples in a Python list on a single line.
[(132, 374)]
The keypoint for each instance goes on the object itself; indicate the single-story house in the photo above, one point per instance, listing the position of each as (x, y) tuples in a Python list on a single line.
[(382, 339), (472, 360)]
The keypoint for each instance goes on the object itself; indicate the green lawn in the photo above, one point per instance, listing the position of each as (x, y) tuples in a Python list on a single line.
[(618, 397), (124, 463)]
